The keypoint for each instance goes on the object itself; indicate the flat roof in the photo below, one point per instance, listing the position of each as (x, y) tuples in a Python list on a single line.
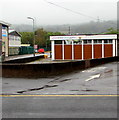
[(84, 37)]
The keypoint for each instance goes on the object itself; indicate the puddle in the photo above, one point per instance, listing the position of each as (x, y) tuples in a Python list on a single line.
[(74, 90), (35, 89), (21, 91), (107, 73), (88, 90), (94, 69), (47, 86), (58, 80), (6, 83), (64, 80)]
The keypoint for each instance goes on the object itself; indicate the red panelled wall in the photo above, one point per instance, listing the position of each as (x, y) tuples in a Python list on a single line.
[(77, 51), (108, 50), (58, 51), (68, 52), (98, 51), (87, 51)]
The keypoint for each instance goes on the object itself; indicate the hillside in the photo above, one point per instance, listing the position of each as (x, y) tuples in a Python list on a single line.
[(86, 28)]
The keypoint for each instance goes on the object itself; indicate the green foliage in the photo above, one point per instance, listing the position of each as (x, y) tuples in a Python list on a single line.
[(27, 38), (112, 31), (42, 37)]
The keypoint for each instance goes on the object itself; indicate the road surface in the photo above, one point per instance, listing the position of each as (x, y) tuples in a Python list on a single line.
[(90, 93)]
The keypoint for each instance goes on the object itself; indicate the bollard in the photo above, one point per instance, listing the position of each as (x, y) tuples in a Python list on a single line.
[(45, 56)]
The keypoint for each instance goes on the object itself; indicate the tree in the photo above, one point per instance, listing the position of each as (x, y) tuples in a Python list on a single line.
[(40, 37), (112, 31), (27, 37)]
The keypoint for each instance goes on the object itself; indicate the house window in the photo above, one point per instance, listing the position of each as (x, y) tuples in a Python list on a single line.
[(11, 37)]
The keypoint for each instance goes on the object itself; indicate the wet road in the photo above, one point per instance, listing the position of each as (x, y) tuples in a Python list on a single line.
[(30, 101), (98, 80), (59, 107)]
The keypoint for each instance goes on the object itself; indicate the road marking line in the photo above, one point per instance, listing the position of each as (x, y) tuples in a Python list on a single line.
[(59, 95), (93, 77)]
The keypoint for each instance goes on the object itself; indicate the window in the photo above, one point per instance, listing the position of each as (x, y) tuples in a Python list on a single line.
[(105, 41), (58, 42), (99, 41), (11, 37), (77, 42), (109, 41), (95, 41), (85, 41), (89, 41)]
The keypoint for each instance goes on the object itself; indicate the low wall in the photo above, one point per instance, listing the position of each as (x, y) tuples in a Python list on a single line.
[(45, 70), (24, 60)]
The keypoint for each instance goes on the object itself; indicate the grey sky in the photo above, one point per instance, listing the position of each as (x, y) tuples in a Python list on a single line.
[(17, 11)]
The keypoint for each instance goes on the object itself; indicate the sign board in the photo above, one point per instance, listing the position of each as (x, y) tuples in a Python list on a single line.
[(64, 37), (4, 32), (35, 46)]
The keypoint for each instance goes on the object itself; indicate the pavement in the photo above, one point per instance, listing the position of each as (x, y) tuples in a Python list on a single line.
[(21, 56), (39, 61)]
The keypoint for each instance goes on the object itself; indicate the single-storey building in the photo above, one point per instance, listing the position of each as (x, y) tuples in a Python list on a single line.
[(83, 47)]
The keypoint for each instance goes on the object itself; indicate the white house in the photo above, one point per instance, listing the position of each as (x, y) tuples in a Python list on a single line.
[(4, 27), (14, 42)]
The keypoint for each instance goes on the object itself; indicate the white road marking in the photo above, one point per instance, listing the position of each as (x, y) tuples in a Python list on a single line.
[(93, 77), (94, 69)]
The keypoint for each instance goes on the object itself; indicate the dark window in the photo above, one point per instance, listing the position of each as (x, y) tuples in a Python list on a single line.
[(85, 41), (99, 41), (110, 41), (89, 41), (95, 41), (58, 42), (105, 41)]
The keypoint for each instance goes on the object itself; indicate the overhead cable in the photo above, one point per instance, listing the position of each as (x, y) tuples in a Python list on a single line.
[(76, 12)]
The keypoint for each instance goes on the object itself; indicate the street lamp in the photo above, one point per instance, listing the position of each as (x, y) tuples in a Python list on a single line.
[(33, 35)]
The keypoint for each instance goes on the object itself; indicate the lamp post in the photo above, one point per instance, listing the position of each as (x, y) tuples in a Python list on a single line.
[(33, 35)]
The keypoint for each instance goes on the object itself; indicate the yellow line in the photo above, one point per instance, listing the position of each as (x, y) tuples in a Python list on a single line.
[(59, 95)]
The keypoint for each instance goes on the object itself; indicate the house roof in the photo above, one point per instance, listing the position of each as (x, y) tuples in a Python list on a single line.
[(4, 23), (13, 32)]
